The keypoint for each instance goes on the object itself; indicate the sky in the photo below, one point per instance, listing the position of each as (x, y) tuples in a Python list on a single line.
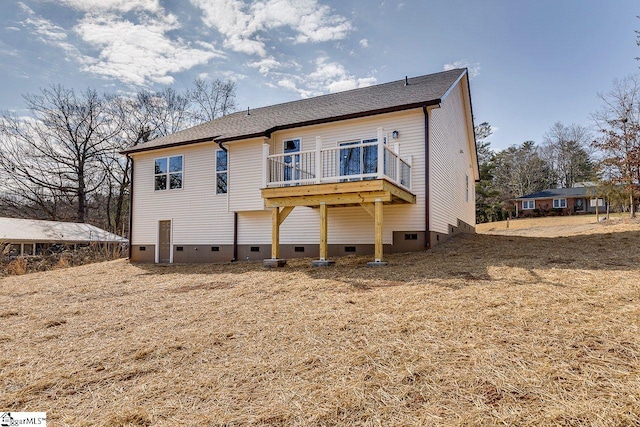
[(532, 62)]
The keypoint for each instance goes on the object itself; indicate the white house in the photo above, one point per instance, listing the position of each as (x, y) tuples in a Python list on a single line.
[(385, 168)]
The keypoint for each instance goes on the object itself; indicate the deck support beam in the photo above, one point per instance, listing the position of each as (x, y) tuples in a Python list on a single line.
[(378, 230), (323, 232), (324, 246), (378, 220), (277, 218)]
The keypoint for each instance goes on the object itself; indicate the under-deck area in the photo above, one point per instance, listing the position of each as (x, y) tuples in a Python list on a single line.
[(368, 174)]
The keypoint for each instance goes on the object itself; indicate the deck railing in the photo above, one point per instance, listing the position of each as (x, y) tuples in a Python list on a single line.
[(351, 161)]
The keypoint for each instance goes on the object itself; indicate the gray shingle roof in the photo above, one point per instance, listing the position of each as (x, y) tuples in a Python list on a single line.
[(552, 193), (386, 97)]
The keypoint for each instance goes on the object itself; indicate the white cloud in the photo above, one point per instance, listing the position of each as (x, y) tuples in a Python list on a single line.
[(364, 43), (265, 65), (474, 69), (48, 32), (327, 77), (113, 5), (138, 54), (246, 27)]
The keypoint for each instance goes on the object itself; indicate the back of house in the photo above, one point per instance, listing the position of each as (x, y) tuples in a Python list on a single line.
[(386, 168)]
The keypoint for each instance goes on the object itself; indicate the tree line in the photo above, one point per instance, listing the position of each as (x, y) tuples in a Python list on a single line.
[(61, 160), (607, 156)]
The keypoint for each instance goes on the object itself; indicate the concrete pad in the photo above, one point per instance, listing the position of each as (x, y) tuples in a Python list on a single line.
[(274, 262), (377, 264)]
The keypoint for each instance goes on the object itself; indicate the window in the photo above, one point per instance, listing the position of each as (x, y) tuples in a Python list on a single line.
[(528, 204), (168, 173), (292, 163), (221, 171), (593, 202), (359, 160), (559, 203)]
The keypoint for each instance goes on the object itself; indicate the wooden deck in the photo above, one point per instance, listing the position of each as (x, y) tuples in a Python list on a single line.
[(370, 194), (337, 194)]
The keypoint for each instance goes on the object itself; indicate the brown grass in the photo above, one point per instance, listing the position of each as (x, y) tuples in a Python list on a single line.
[(482, 330)]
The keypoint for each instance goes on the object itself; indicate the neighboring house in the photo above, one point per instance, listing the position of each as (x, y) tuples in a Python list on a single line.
[(564, 201), (36, 237), (389, 167)]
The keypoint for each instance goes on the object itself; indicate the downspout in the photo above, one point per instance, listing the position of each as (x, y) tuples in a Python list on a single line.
[(235, 236), (427, 183), (130, 208)]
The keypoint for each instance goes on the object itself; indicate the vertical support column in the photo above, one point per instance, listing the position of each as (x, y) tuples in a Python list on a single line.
[(378, 235), (318, 159), (324, 246), (380, 153), (276, 219), (323, 231), (275, 233), (378, 230), (265, 165)]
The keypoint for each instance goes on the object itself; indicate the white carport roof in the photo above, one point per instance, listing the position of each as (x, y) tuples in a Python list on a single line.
[(37, 231)]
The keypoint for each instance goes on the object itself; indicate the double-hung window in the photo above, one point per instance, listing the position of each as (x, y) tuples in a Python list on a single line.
[(168, 173), (559, 203), (528, 204), (222, 170)]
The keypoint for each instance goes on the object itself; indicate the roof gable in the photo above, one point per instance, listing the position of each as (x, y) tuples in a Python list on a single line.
[(371, 100)]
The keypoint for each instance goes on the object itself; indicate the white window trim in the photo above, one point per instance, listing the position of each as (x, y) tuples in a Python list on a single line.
[(561, 202), (168, 173), (217, 172), (297, 138), (531, 203), (358, 143)]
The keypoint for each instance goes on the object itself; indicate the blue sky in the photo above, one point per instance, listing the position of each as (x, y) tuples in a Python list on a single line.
[(532, 63)]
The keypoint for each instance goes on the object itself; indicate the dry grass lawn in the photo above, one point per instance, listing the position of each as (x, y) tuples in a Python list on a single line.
[(483, 330)]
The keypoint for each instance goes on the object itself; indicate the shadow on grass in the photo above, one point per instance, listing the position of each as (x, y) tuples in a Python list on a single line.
[(464, 260)]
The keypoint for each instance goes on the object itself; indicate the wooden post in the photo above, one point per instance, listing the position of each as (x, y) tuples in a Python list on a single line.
[(378, 230), (275, 233), (323, 231)]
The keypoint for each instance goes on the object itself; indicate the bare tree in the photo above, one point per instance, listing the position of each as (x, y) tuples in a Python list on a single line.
[(212, 99), (519, 171), (52, 159), (619, 135), (565, 150)]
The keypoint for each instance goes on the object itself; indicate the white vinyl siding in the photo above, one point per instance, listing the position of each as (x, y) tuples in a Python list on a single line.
[(451, 159), (245, 175), (198, 216)]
